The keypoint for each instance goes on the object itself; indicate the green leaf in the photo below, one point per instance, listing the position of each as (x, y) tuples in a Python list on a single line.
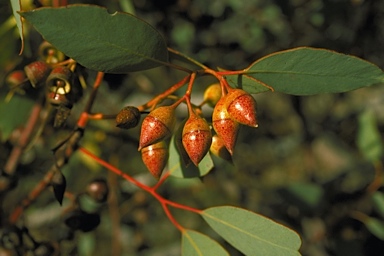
[(368, 137), (178, 168), (252, 233), (195, 243), (308, 71), (13, 114), (247, 83), (15, 9), (375, 226), (98, 40), (378, 202)]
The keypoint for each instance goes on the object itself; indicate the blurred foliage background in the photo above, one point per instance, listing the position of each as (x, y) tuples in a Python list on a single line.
[(314, 163)]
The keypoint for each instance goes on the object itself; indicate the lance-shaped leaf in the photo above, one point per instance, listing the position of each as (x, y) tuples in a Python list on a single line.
[(251, 233), (307, 71), (98, 40), (16, 7), (196, 244)]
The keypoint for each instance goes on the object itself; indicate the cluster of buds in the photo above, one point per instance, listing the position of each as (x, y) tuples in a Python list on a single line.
[(58, 81), (195, 138)]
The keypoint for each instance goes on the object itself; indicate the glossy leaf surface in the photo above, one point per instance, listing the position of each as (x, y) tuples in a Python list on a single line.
[(252, 233), (308, 71), (98, 40), (194, 243)]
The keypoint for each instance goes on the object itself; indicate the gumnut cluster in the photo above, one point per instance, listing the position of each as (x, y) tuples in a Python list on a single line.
[(235, 108), (194, 138), (46, 75)]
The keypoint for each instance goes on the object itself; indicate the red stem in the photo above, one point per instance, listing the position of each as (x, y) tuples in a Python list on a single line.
[(224, 84), (151, 190), (161, 181), (165, 94), (230, 72), (115, 170), (171, 218)]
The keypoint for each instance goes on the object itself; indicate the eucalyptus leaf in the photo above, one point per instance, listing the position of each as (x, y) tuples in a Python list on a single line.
[(247, 83), (197, 244), (112, 43), (16, 7), (308, 71), (252, 233)]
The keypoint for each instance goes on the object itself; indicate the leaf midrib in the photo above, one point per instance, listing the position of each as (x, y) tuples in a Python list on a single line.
[(247, 233)]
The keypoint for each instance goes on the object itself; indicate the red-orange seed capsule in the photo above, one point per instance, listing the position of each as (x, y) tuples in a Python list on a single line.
[(242, 107), (197, 138), (37, 72), (157, 126), (225, 127), (155, 158)]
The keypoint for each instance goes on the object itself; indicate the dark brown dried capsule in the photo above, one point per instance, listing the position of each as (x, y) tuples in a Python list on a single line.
[(128, 117)]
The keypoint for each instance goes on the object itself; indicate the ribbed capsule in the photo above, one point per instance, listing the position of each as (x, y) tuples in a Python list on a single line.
[(242, 107), (157, 126), (59, 86), (50, 54), (225, 127), (197, 138), (37, 72), (155, 157)]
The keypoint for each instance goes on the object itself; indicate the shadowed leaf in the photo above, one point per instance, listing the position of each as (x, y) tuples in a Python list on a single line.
[(98, 40)]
